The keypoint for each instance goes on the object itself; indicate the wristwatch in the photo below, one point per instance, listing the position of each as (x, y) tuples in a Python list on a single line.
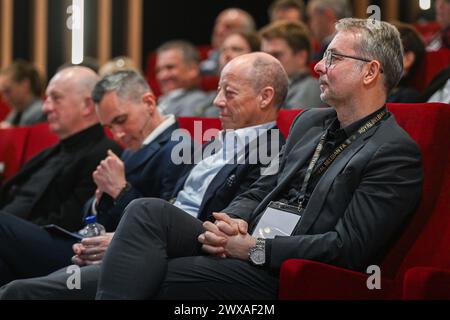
[(257, 254)]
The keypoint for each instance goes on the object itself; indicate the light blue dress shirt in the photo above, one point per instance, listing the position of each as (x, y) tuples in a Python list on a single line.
[(231, 146)]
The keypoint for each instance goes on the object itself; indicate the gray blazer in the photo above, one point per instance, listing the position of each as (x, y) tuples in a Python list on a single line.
[(304, 92), (359, 205), (182, 103), (32, 114)]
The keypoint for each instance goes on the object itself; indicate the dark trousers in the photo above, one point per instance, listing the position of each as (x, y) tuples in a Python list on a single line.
[(155, 254), (27, 250), (54, 286)]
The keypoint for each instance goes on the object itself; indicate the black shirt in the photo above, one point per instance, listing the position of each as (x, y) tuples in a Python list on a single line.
[(335, 136)]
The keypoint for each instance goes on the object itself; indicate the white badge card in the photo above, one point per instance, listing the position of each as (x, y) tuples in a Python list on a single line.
[(278, 219)]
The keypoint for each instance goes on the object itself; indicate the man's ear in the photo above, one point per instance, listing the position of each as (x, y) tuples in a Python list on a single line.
[(88, 107), (266, 97), (149, 100), (373, 71)]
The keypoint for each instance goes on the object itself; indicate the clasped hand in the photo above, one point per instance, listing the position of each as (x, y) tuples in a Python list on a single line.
[(227, 237), (109, 176)]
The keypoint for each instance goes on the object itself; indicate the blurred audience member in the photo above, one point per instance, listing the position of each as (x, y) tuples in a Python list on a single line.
[(323, 15), (288, 41), (21, 89), (117, 64), (88, 62), (178, 75), (413, 56), (442, 39), (235, 44), (292, 10), (228, 21), (439, 88)]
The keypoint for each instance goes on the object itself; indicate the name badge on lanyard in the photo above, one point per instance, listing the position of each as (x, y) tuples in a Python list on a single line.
[(279, 219)]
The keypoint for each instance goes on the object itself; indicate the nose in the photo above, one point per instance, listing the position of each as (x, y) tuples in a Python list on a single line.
[(320, 67), (219, 100), (47, 106)]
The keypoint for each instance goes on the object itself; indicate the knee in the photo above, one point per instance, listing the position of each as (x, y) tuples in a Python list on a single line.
[(144, 208), (14, 290)]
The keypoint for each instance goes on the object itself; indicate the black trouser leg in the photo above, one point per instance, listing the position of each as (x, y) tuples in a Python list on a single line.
[(30, 251), (150, 232)]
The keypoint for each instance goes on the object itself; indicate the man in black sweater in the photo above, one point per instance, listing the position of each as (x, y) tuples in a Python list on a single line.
[(53, 187)]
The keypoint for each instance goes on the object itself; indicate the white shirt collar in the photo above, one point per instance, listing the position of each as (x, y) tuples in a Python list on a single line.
[(169, 120)]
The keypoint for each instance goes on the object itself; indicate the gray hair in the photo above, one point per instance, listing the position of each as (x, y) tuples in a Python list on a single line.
[(341, 8), (379, 41), (269, 72), (188, 50), (129, 85)]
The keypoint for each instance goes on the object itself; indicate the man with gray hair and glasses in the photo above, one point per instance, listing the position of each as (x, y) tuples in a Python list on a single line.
[(349, 179)]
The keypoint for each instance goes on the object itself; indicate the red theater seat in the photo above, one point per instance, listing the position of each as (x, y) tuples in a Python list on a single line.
[(12, 150), (433, 63), (4, 109), (40, 138), (198, 126), (425, 239)]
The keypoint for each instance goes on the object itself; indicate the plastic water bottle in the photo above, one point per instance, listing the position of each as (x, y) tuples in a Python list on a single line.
[(92, 228)]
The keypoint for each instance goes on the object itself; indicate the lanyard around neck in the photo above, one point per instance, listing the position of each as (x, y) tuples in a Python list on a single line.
[(332, 157)]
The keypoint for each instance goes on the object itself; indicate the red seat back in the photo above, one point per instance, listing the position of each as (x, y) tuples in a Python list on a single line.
[(12, 149), (429, 126), (40, 138), (434, 62), (198, 126), (285, 119), (428, 30), (4, 109)]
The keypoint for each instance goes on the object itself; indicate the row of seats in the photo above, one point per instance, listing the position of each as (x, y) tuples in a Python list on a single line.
[(417, 267)]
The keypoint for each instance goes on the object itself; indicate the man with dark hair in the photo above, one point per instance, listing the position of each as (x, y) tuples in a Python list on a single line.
[(292, 10), (413, 56), (349, 179), (288, 41), (21, 88)]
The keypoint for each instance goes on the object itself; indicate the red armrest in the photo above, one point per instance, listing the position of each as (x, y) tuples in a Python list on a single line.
[(310, 280), (425, 283)]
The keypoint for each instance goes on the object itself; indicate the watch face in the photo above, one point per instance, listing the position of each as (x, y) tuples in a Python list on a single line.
[(258, 256)]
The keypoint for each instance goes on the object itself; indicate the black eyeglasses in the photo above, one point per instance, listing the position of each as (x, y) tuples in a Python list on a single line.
[(329, 55)]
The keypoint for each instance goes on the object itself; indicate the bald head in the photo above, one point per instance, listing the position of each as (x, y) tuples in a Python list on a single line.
[(69, 106), (81, 79), (261, 70), (229, 21)]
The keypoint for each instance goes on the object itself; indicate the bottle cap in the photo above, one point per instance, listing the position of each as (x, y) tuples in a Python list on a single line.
[(90, 219)]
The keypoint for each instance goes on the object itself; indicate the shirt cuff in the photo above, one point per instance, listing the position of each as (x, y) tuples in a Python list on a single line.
[(93, 208)]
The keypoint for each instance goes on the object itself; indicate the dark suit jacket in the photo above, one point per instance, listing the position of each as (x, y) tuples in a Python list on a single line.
[(150, 172), (232, 179), (359, 204), (65, 205), (436, 84)]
